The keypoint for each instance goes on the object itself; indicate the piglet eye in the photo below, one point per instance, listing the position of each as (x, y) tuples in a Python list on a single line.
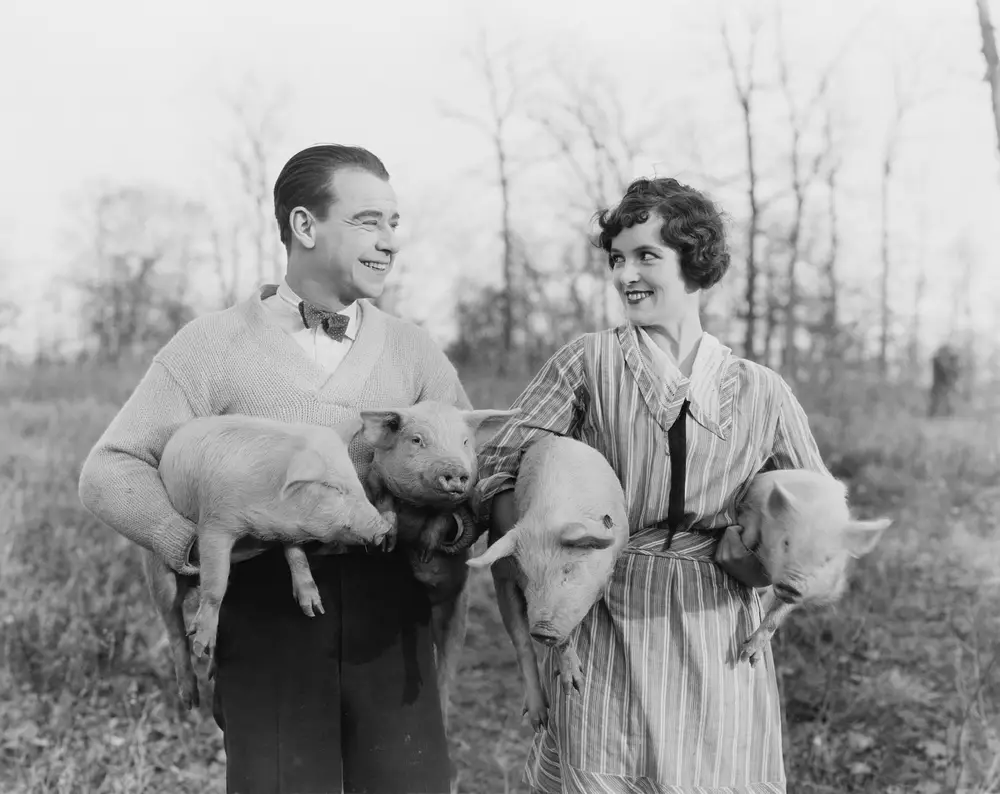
[(418, 440), (466, 442)]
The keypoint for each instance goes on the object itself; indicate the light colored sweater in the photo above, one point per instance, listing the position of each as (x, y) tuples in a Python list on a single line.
[(239, 361)]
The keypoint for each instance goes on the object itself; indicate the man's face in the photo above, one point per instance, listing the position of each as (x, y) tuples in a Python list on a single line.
[(355, 246)]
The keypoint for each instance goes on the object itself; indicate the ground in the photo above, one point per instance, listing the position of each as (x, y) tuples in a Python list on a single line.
[(896, 689)]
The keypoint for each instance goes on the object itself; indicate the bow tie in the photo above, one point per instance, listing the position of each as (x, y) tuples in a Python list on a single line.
[(334, 325)]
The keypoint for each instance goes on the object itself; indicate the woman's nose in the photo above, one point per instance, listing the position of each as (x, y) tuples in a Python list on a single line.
[(629, 273)]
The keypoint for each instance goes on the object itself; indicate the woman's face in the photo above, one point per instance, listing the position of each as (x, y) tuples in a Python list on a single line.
[(647, 276)]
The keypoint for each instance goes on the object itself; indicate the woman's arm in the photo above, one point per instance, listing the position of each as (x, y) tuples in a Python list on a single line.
[(793, 447), (554, 402)]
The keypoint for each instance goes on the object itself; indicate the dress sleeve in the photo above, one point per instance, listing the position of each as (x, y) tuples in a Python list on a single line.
[(794, 446), (554, 402)]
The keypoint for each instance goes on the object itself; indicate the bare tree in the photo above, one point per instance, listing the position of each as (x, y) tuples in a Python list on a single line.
[(496, 69), (257, 134), (805, 169), (890, 152), (832, 314), (992, 60), (143, 242), (746, 86), (919, 289), (584, 117)]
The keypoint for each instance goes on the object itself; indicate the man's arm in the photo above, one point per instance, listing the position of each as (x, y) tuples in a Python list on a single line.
[(119, 481), (438, 379)]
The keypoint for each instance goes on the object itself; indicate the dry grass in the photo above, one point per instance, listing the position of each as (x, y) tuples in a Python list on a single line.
[(897, 689)]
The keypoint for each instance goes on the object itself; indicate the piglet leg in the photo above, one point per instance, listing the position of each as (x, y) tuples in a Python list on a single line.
[(448, 625), (514, 612), (215, 543), (304, 587), (168, 590), (380, 497), (753, 648), (570, 669)]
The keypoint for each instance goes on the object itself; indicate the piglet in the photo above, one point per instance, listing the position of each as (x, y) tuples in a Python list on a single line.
[(237, 476), (571, 527), (422, 476), (804, 535)]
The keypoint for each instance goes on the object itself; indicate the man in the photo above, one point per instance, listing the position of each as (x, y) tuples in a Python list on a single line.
[(347, 698)]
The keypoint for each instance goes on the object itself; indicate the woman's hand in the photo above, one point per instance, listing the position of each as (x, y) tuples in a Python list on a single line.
[(735, 556)]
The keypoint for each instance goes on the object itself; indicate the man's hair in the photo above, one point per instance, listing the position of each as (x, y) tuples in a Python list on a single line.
[(692, 226), (307, 181)]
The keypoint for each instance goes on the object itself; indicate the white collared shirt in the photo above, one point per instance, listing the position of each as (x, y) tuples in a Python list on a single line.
[(324, 351), (710, 361)]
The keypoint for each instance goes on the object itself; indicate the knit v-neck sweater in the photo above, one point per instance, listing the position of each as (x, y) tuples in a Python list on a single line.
[(238, 361)]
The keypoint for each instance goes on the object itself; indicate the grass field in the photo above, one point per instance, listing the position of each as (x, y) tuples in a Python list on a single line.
[(895, 690)]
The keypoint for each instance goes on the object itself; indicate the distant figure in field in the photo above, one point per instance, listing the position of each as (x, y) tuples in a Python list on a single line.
[(946, 368)]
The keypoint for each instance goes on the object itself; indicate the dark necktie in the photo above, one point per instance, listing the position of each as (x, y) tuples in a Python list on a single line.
[(334, 325), (677, 445)]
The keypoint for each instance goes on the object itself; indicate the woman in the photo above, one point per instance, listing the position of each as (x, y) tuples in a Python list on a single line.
[(665, 706)]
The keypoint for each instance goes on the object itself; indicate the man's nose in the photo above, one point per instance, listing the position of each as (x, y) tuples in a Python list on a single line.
[(388, 242)]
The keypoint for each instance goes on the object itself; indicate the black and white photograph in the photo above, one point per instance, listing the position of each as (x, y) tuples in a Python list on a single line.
[(466, 397)]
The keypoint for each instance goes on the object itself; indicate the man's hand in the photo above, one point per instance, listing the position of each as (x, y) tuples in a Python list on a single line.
[(735, 556)]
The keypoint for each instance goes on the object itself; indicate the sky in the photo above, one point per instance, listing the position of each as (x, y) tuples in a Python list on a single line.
[(133, 93)]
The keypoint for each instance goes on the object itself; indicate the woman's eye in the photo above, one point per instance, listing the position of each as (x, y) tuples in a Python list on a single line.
[(647, 256)]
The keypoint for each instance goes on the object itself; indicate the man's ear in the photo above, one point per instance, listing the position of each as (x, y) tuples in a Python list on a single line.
[(303, 226)]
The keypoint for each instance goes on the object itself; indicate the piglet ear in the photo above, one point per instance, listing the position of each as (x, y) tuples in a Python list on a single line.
[(485, 423), (504, 547), (380, 427), (349, 428), (305, 467), (779, 500), (580, 536), (860, 537)]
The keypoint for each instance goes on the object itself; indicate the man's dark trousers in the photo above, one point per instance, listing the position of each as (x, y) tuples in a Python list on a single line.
[(351, 692)]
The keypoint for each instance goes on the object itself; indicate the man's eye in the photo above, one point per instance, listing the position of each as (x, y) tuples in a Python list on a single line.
[(371, 222)]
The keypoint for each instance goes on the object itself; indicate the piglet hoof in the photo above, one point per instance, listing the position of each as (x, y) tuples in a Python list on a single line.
[(202, 643), (752, 649), (570, 670), (426, 555), (388, 543), (309, 600), (202, 636), (188, 690), (537, 710)]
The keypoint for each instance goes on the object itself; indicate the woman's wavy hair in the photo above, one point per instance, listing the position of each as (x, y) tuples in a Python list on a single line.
[(692, 226)]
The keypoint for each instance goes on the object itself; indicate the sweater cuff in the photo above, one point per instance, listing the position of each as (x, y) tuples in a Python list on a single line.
[(489, 489), (174, 543)]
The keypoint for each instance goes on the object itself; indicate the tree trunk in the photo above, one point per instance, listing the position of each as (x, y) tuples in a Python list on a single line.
[(992, 61), (883, 350), (751, 294)]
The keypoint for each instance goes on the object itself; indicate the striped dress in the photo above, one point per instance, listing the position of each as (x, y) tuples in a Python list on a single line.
[(664, 707)]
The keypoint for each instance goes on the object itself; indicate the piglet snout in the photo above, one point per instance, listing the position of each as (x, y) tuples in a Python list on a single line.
[(454, 481)]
